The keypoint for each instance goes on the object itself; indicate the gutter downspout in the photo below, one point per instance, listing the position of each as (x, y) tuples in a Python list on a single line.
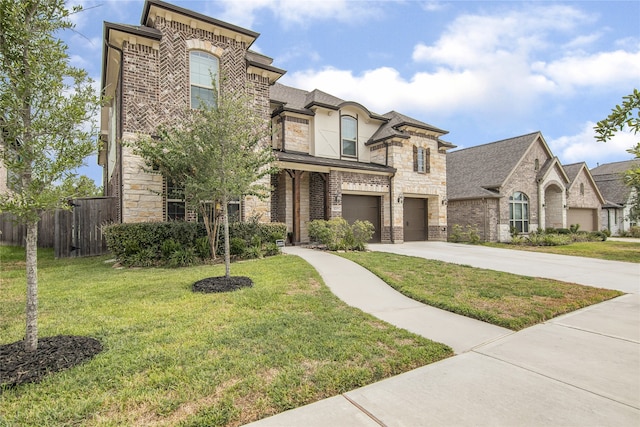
[(119, 131)]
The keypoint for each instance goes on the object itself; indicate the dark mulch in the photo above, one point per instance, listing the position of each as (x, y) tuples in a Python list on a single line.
[(222, 284), (54, 354)]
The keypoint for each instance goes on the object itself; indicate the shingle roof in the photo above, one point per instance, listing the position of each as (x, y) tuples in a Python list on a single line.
[(308, 159), (301, 101), (481, 170), (573, 170), (610, 182), (615, 167)]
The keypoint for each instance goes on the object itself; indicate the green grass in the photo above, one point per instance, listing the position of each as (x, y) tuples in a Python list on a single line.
[(172, 357), (503, 299), (609, 250)]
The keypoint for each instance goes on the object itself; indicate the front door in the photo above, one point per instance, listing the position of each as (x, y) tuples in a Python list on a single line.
[(415, 219)]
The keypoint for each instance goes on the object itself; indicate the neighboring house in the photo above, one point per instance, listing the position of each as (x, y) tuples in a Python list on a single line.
[(336, 157), (619, 197), (517, 185), (584, 200)]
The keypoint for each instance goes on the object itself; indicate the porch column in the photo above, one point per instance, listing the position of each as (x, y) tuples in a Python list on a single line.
[(296, 176)]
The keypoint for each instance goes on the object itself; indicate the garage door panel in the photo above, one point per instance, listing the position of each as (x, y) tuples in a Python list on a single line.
[(585, 217), (363, 208)]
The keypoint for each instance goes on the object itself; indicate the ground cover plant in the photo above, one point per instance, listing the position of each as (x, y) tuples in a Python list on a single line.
[(503, 299), (172, 356), (612, 250)]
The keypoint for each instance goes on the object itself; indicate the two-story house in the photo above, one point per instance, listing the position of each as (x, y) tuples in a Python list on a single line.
[(336, 157)]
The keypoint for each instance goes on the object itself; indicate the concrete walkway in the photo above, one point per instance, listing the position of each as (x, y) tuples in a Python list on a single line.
[(581, 369)]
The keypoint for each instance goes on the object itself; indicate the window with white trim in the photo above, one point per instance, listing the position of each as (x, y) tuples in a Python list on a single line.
[(349, 136), (176, 207), (203, 73), (519, 212)]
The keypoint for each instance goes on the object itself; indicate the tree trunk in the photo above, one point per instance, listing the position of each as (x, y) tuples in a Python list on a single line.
[(31, 339), (227, 249)]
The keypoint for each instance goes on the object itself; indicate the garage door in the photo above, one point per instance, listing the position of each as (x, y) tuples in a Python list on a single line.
[(415, 219), (363, 208), (585, 217)]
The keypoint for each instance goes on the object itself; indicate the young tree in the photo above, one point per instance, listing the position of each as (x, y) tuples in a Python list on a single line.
[(625, 116), (217, 153), (44, 107)]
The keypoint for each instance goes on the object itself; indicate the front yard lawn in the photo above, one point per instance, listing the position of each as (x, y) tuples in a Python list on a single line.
[(175, 357), (503, 299), (609, 250)]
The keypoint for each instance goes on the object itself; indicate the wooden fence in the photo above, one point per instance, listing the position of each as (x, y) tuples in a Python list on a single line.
[(72, 233)]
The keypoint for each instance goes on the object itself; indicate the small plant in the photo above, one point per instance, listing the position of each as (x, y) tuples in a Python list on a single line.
[(573, 228), (237, 245), (183, 258), (456, 233), (472, 234)]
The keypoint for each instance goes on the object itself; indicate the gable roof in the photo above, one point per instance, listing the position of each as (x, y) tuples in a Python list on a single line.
[(302, 102), (609, 178), (573, 170), (482, 170), (393, 128), (149, 5)]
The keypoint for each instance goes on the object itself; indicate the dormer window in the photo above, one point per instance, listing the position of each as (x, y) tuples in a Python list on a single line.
[(349, 136), (203, 71)]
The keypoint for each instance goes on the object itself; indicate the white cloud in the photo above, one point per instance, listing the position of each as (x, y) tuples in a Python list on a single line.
[(486, 65), (299, 12), (603, 69), (583, 147)]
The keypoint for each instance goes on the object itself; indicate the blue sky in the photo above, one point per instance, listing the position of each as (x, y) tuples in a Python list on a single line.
[(483, 70)]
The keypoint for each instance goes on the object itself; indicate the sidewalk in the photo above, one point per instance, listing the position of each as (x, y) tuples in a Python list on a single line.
[(581, 369)]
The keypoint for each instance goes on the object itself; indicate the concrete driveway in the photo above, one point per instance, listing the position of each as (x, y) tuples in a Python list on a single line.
[(623, 276), (580, 369)]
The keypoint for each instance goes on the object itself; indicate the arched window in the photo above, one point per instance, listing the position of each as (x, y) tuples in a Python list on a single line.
[(519, 212), (349, 136), (203, 72)]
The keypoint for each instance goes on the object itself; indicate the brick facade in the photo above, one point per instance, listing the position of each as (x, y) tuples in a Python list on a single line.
[(156, 89)]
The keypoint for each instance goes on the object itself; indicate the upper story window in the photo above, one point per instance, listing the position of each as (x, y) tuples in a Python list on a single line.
[(203, 67), (421, 159), (349, 136), (581, 189)]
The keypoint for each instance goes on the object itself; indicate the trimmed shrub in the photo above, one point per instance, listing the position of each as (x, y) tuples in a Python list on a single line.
[(634, 232), (337, 234), (180, 243), (469, 234)]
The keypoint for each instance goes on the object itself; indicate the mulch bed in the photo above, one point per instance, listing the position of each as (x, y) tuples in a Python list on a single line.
[(222, 284), (54, 354)]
